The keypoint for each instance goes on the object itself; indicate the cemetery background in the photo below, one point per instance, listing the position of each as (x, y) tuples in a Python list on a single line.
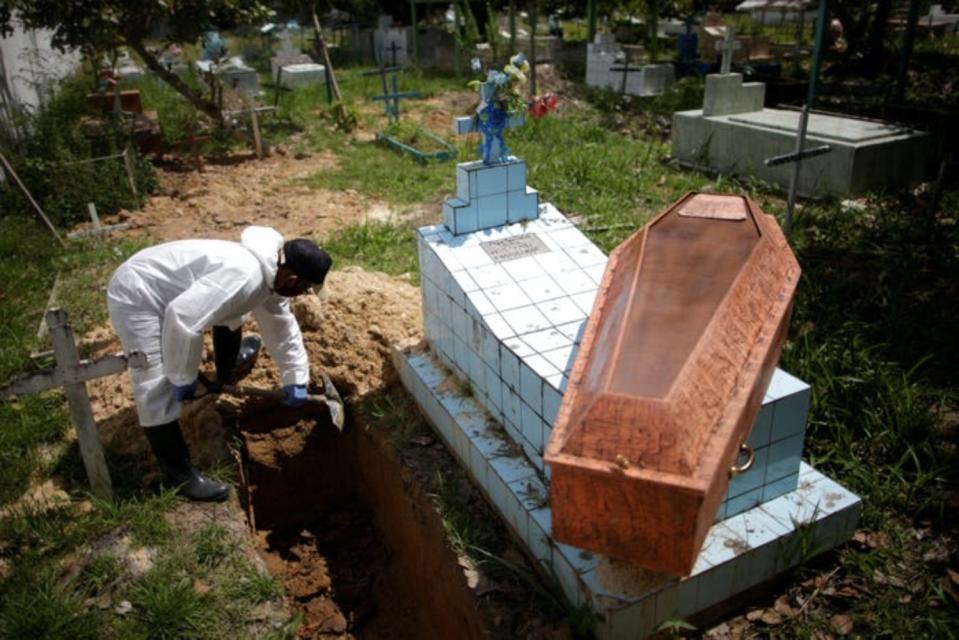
[(869, 272)]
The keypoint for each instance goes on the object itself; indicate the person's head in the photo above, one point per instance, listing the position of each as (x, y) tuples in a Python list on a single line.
[(302, 266)]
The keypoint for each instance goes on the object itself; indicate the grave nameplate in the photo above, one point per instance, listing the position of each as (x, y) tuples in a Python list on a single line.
[(514, 248)]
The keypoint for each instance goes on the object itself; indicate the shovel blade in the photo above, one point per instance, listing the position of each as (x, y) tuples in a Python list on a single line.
[(334, 402)]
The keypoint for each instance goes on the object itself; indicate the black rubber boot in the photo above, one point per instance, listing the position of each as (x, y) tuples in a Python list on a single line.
[(233, 354), (174, 458)]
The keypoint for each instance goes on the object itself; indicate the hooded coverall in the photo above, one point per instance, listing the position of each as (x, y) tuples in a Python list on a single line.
[(163, 298)]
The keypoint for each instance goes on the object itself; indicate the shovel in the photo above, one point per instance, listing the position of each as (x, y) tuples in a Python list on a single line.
[(330, 397)]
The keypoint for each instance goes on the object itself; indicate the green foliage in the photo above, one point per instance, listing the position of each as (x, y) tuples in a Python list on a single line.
[(101, 571), (34, 603), (212, 544), (24, 424), (375, 246), (174, 112), (45, 154), (247, 585), (167, 607)]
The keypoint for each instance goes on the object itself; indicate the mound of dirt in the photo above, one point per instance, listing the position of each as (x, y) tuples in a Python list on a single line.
[(238, 190), (347, 335)]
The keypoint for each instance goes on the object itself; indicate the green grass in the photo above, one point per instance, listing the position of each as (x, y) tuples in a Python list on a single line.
[(166, 606), (375, 246)]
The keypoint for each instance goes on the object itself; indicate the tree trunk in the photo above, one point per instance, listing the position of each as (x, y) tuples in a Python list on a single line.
[(876, 46), (203, 105)]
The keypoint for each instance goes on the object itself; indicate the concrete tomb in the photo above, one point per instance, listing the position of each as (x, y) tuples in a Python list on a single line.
[(513, 294), (733, 133), (390, 43), (298, 68), (233, 73), (605, 60)]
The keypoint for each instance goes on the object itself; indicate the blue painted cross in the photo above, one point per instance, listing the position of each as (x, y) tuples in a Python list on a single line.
[(391, 101), (490, 120)]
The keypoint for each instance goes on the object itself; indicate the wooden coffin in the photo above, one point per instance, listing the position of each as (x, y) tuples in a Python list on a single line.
[(683, 338)]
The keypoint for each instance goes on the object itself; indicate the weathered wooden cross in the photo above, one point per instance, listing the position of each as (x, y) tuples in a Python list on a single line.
[(728, 45), (796, 158), (71, 373), (391, 101), (392, 49)]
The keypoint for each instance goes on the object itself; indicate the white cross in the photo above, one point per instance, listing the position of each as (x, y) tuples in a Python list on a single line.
[(72, 373), (727, 45)]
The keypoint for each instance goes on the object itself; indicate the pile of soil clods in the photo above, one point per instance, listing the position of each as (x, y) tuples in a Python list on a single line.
[(337, 570), (348, 334)]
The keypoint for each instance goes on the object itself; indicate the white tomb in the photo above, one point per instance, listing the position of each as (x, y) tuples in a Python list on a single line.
[(390, 43), (234, 74), (734, 134), (604, 54)]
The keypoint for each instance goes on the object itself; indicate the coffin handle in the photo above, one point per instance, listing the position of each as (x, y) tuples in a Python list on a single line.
[(739, 469)]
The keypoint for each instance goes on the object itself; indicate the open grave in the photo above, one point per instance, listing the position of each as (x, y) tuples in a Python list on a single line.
[(354, 542)]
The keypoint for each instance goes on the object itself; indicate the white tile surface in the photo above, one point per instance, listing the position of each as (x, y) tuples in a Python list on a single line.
[(526, 320), (507, 296), (541, 289), (575, 282), (523, 268), (561, 311), (547, 340), (490, 276)]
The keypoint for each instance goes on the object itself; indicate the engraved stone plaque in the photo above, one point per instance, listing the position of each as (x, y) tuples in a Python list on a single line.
[(513, 248)]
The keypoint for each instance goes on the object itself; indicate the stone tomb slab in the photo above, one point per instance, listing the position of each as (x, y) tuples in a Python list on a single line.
[(827, 127), (865, 156)]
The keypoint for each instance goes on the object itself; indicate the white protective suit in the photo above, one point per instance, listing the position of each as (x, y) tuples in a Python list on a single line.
[(163, 298)]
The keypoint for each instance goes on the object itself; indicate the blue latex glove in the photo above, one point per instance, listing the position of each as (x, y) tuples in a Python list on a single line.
[(184, 392), (294, 395)]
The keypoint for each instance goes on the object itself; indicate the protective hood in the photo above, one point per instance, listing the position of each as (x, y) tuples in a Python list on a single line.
[(265, 243)]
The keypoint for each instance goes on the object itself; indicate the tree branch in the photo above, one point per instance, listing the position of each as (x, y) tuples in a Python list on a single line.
[(174, 81)]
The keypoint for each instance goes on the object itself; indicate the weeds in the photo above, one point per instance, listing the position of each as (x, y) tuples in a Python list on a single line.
[(212, 544), (375, 246), (166, 606)]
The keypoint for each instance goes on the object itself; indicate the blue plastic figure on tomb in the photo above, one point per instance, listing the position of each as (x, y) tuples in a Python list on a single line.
[(214, 47), (687, 48), (501, 106)]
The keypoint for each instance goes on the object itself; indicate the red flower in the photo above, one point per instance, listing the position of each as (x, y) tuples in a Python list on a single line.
[(541, 105)]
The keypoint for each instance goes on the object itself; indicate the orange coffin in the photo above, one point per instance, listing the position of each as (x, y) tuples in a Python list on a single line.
[(685, 333)]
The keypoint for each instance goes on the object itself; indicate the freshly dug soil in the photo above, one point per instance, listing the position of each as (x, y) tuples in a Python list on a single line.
[(347, 335)]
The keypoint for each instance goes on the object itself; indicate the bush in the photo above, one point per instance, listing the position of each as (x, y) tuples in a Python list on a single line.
[(45, 145)]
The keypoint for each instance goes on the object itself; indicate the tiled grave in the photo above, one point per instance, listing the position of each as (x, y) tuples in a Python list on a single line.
[(304, 73), (741, 551), (504, 307), (733, 133)]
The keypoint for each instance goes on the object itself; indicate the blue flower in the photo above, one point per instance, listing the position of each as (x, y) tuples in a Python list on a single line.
[(475, 65), (518, 60), (497, 77)]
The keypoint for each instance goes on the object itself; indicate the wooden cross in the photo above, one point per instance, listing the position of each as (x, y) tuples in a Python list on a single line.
[(391, 101), (796, 158), (72, 373), (727, 45)]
